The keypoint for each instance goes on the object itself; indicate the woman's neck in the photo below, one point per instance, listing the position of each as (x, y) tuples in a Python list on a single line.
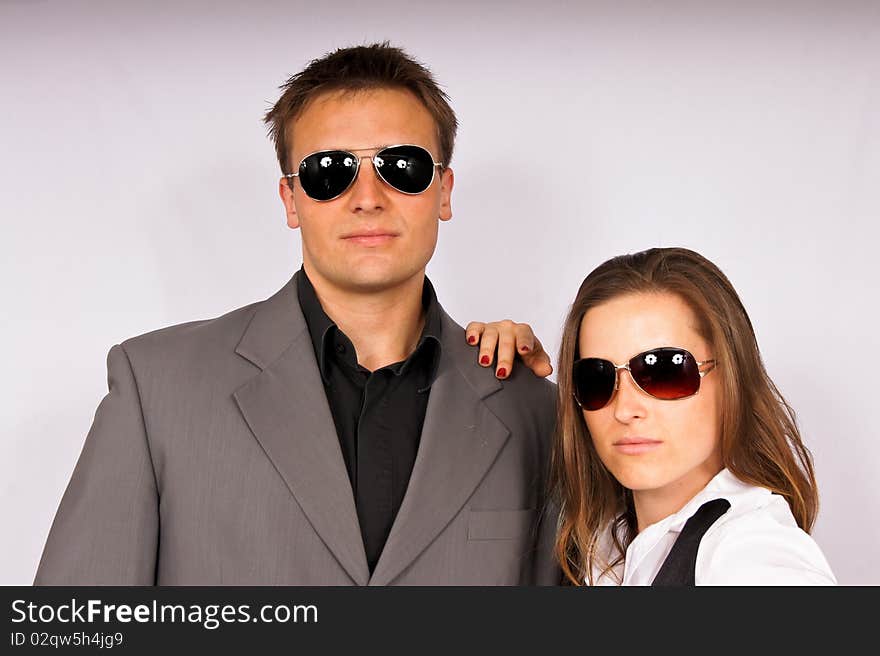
[(652, 506)]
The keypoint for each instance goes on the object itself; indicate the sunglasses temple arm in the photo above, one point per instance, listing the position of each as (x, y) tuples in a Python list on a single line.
[(712, 364)]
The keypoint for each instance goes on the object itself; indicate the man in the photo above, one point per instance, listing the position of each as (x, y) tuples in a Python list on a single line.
[(341, 431)]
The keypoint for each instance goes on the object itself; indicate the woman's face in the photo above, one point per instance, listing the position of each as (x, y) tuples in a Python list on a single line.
[(662, 449)]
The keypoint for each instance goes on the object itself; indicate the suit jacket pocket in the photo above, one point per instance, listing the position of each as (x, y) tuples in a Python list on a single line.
[(499, 524)]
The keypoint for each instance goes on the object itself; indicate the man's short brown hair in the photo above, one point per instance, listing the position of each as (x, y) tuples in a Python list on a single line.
[(360, 68)]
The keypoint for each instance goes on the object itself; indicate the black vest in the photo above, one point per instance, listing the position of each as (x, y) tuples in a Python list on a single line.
[(679, 567)]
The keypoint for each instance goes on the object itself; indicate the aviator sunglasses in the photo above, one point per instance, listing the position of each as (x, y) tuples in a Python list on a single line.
[(665, 373), (327, 174)]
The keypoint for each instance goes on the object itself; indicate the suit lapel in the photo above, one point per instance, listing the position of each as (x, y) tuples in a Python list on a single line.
[(460, 440), (286, 409)]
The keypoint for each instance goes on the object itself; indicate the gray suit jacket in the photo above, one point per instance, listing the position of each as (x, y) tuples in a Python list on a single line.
[(214, 460)]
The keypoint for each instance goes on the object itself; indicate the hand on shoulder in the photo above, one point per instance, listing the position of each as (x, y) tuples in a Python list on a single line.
[(508, 340)]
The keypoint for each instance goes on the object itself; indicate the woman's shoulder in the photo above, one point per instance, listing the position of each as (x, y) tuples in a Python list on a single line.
[(758, 542)]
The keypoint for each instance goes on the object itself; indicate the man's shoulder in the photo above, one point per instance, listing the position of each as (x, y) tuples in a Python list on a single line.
[(212, 332), (207, 345), (521, 392), (523, 385), (207, 338)]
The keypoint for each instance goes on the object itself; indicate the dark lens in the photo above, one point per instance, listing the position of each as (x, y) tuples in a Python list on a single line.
[(666, 373), (593, 382), (409, 169), (326, 175)]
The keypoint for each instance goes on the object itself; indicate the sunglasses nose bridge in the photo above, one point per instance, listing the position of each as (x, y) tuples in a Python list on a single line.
[(617, 374), (377, 180), (617, 368), (632, 378), (628, 403)]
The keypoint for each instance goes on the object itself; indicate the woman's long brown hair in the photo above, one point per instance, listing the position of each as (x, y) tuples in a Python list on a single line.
[(760, 442)]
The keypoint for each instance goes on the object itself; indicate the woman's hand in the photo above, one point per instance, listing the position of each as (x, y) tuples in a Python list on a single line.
[(511, 339)]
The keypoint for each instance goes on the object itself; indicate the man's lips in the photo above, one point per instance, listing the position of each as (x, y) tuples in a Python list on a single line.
[(370, 237), (634, 446)]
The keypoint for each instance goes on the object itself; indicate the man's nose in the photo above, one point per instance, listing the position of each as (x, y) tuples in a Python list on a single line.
[(368, 192)]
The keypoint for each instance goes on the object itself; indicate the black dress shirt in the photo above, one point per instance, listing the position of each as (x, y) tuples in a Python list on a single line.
[(378, 414)]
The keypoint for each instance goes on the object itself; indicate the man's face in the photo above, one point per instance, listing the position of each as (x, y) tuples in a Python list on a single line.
[(373, 237)]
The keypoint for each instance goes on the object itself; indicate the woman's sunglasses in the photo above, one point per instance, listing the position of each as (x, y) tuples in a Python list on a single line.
[(665, 373), (327, 174)]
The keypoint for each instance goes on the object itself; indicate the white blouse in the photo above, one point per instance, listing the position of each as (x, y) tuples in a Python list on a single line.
[(756, 542)]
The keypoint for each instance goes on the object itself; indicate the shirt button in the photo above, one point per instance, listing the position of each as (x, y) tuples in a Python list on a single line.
[(340, 348)]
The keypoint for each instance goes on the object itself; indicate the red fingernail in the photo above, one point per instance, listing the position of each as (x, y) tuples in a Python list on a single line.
[(502, 372), (525, 349), (484, 359), (472, 340)]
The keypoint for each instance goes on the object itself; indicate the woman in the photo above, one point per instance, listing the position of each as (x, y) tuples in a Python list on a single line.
[(676, 460)]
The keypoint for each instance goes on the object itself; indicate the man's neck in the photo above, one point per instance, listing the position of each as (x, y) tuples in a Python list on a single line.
[(383, 326)]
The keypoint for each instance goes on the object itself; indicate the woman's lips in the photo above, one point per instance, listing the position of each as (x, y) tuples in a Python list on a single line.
[(633, 446)]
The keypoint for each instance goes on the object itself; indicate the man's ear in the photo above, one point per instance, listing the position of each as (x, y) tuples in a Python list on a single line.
[(447, 179), (286, 193)]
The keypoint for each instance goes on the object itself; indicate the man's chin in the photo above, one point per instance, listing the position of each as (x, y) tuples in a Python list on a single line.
[(373, 284), (373, 281)]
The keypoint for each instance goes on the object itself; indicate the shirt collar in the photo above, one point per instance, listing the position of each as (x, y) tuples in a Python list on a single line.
[(724, 485), (322, 330), (722, 482), (321, 327)]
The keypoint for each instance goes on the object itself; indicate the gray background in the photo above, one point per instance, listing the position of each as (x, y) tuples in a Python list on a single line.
[(139, 190)]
